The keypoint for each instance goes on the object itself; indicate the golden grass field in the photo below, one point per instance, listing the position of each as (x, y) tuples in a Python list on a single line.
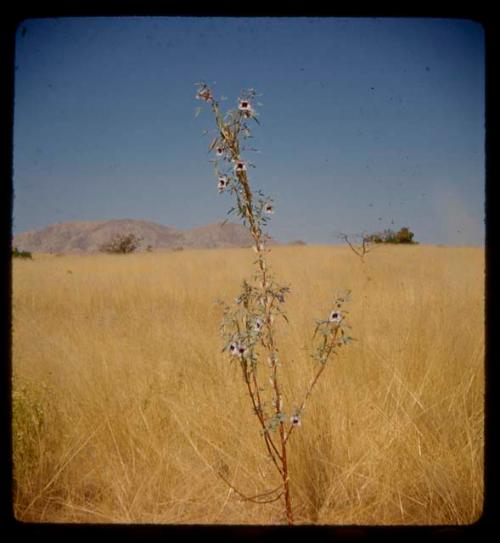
[(125, 409)]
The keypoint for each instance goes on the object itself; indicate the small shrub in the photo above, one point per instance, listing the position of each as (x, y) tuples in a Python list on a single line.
[(16, 253), (121, 244), (404, 235), (375, 238)]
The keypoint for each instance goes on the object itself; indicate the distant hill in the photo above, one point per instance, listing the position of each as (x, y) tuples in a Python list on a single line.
[(88, 236)]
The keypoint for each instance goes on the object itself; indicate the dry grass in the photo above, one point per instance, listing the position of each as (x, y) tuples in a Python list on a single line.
[(125, 408)]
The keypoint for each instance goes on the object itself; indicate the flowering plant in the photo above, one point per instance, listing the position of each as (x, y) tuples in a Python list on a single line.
[(248, 327)]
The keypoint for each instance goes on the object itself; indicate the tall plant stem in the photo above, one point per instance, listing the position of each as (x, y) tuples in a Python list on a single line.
[(248, 328), (286, 484), (231, 139)]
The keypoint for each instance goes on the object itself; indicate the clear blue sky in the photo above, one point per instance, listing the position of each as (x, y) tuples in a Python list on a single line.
[(363, 122)]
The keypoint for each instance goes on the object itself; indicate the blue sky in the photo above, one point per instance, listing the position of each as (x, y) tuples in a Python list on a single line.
[(365, 123)]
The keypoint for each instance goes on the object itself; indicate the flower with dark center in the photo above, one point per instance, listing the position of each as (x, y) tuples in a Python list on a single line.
[(295, 420), (223, 183), (246, 108), (240, 166), (241, 350), (257, 326), (219, 151), (233, 349), (269, 209), (335, 317)]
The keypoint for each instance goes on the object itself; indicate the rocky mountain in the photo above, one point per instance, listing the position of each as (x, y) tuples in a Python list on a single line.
[(88, 236)]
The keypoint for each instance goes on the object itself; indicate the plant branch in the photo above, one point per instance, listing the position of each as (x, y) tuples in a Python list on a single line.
[(267, 438), (313, 383), (254, 499)]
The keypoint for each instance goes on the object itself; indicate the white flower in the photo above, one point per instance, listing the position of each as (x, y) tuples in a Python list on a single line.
[(219, 151), (257, 325), (295, 420), (246, 108), (241, 350), (237, 349), (335, 316), (269, 209), (223, 183), (240, 166)]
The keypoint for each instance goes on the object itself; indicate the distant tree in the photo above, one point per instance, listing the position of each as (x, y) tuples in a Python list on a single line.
[(389, 236), (404, 235), (297, 242), (121, 244), (21, 254), (374, 238)]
